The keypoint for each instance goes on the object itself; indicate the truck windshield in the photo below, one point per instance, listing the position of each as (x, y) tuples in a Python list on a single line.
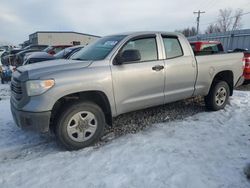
[(99, 49)]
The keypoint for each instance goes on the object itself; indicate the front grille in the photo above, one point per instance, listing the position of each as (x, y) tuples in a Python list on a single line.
[(16, 89)]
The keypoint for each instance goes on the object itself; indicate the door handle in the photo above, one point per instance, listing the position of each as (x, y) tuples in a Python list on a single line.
[(158, 67)]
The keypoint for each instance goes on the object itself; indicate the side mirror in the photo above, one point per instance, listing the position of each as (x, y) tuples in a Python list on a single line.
[(128, 56)]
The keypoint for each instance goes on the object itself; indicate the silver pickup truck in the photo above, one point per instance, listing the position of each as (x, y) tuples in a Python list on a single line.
[(77, 98)]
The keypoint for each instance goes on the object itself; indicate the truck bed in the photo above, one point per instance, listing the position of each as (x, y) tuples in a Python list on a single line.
[(210, 65)]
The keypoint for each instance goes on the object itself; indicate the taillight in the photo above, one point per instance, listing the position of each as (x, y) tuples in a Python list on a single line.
[(246, 60)]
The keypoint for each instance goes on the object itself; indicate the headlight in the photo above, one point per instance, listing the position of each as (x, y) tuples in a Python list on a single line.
[(37, 87)]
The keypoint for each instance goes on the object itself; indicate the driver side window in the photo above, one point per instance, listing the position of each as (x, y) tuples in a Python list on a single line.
[(146, 46)]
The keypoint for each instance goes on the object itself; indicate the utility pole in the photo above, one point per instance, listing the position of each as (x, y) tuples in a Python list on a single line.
[(198, 19)]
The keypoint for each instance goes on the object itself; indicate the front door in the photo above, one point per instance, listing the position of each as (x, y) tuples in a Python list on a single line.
[(139, 84)]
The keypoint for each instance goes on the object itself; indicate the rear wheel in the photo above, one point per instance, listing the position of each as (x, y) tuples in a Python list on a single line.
[(218, 96), (80, 125)]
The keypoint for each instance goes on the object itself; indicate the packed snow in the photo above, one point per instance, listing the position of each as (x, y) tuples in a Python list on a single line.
[(206, 150)]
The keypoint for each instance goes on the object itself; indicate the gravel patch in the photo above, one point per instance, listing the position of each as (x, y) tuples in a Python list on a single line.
[(133, 122)]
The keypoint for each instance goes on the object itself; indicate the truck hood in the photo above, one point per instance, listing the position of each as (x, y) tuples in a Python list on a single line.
[(37, 70)]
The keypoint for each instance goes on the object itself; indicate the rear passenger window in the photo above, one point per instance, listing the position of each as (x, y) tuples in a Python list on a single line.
[(172, 47)]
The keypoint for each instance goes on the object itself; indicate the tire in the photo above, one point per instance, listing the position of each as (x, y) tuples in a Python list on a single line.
[(80, 125), (218, 96)]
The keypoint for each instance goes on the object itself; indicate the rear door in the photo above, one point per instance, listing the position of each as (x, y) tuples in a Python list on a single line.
[(180, 69), (139, 84)]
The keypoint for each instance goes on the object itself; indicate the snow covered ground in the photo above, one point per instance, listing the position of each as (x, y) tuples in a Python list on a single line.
[(206, 150)]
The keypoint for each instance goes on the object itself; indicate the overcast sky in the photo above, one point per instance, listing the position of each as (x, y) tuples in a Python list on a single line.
[(19, 18)]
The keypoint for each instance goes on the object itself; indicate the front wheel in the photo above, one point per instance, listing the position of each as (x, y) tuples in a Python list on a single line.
[(80, 125), (218, 96)]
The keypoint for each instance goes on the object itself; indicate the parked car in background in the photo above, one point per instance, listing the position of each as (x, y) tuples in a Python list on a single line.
[(2, 51), (67, 52), (116, 74), (246, 61), (15, 56), (8, 57), (206, 47), (36, 47), (37, 57), (55, 49), (7, 47), (19, 57), (44, 56)]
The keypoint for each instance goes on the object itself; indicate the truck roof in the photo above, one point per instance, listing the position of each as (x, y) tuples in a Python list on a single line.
[(148, 33)]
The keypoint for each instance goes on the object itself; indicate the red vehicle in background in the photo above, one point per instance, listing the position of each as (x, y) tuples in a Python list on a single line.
[(214, 47), (56, 48), (246, 71), (206, 47)]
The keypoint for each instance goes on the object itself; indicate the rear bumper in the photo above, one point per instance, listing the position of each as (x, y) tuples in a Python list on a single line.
[(240, 81), (36, 121)]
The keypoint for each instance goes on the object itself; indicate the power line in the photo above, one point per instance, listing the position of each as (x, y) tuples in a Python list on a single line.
[(204, 4), (226, 18), (198, 19), (212, 3)]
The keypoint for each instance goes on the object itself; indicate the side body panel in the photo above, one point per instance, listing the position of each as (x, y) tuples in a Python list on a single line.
[(210, 65), (96, 77)]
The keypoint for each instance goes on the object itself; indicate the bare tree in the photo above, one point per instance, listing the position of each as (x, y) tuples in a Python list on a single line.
[(225, 20), (237, 19), (228, 20), (213, 28), (188, 32)]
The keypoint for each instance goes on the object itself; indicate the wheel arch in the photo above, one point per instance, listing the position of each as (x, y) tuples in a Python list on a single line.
[(226, 76), (98, 97)]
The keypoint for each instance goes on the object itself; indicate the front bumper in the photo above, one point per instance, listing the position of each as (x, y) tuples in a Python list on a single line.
[(37, 121)]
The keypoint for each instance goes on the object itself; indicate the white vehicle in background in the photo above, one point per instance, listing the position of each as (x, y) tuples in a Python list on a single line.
[(1, 52)]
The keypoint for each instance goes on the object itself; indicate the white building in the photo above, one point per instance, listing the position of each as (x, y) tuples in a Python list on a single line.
[(61, 38)]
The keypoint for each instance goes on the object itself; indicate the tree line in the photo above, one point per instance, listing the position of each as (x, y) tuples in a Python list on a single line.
[(227, 20)]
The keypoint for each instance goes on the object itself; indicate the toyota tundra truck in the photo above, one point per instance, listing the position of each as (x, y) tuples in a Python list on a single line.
[(77, 98)]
